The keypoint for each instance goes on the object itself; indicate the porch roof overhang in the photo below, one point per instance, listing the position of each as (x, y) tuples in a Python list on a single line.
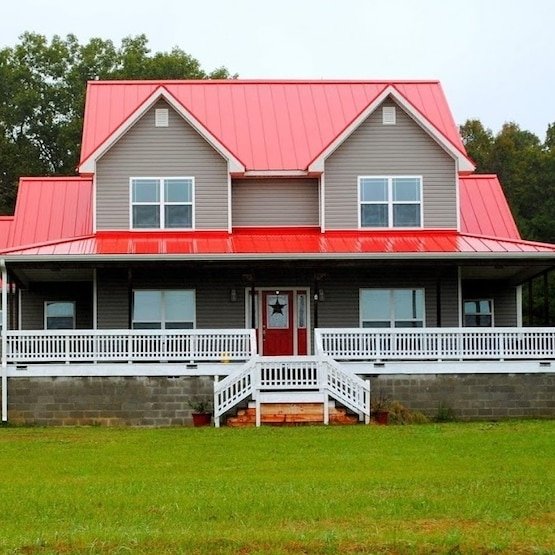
[(282, 243)]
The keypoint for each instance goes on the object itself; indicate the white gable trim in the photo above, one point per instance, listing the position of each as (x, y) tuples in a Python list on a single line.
[(464, 164), (234, 164)]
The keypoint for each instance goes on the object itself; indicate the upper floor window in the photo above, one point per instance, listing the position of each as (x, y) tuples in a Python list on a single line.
[(162, 203), (478, 313), (390, 201), (392, 308)]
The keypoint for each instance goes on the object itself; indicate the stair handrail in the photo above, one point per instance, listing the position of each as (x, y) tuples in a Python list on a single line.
[(234, 388), (346, 387)]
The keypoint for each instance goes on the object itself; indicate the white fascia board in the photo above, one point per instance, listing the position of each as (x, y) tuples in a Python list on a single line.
[(418, 256), (276, 173), (234, 164), (464, 164)]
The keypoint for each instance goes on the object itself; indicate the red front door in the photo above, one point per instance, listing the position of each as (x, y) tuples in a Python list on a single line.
[(277, 323)]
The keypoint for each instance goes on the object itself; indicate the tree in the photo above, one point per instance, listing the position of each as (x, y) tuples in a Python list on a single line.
[(42, 91), (526, 169)]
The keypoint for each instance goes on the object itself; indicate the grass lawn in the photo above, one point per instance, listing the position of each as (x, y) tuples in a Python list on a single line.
[(450, 488)]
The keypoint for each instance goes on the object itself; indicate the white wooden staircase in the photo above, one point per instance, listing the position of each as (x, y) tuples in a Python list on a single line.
[(309, 382)]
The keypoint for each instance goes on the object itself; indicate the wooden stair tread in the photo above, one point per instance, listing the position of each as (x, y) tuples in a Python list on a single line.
[(290, 414)]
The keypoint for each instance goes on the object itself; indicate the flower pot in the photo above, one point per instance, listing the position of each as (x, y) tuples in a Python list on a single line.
[(381, 417), (202, 419)]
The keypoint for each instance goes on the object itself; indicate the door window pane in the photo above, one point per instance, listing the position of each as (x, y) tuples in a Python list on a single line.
[(277, 311), (301, 304)]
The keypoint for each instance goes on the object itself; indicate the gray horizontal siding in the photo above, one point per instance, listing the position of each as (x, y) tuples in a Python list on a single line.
[(401, 149), (213, 306), (341, 305), (275, 202), (149, 151), (503, 295), (33, 299)]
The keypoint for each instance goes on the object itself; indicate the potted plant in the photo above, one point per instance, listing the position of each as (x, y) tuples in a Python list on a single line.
[(380, 409), (202, 413)]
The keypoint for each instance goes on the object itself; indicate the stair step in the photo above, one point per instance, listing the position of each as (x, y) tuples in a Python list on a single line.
[(290, 414)]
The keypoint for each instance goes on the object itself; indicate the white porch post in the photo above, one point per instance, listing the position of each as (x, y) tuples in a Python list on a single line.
[(4, 340)]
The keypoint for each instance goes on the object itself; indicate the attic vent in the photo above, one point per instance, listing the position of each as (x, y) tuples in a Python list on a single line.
[(161, 117), (388, 115)]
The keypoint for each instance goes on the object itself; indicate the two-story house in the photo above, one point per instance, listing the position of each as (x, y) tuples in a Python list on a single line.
[(291, 237)]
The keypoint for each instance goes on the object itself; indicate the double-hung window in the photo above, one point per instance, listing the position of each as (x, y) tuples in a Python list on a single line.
[(390, 201), (162, 203), (392, 308), (163, 309), (59, 315), (478, 313)]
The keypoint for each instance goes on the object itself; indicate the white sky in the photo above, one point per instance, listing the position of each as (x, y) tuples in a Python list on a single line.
[(495, 58)]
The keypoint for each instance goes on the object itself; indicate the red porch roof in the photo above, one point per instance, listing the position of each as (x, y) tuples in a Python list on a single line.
[(267, 125), (280, 243)]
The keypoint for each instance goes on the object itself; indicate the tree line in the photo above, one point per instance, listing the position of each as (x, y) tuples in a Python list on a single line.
[(42, 92), (42, 97)]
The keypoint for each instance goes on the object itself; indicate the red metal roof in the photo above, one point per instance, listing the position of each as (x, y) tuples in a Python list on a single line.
[(484, 208), (5, 224), (49, 209), (278, 243), (268, 125)]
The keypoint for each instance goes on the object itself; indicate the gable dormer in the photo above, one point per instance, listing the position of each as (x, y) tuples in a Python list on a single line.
[(161, 174), (390, 173)]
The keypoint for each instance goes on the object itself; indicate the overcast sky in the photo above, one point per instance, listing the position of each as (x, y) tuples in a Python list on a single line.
[(495, 58)]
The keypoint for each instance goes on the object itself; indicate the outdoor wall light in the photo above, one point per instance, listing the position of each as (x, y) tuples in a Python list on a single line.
[(233, 295)]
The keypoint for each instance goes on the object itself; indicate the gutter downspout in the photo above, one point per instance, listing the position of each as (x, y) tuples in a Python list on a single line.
[(4, 271)]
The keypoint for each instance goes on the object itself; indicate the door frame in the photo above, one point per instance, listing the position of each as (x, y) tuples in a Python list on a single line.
[(295, 289)]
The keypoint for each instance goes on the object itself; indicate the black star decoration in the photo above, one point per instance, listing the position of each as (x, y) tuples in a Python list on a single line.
[(277, 307)]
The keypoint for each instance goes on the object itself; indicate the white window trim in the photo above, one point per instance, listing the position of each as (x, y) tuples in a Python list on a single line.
[(60, 301), (163, 321), (161, 204), (392, 319), (390, 202), (477, 299)]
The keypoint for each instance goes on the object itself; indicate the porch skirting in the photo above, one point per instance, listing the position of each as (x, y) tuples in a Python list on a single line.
[(164, 401)]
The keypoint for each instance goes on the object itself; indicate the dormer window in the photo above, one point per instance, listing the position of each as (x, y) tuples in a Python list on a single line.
[(390, 201), (162, 203)]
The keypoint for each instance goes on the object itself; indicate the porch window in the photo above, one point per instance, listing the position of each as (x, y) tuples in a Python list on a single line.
[(164, 309), (478, 313), (390, 201), (392, 308), (59, 315), (162, 203)]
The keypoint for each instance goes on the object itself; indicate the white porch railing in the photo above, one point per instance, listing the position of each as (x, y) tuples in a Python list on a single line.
[(289, 374), (436, 343), (130, 345)]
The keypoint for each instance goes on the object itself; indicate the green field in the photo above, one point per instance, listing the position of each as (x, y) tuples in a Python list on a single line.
[(449, 488)]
